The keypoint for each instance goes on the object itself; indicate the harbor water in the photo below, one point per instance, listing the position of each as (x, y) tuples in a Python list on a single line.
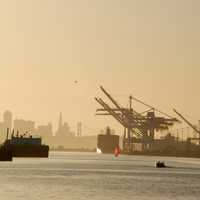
[(91, 176)]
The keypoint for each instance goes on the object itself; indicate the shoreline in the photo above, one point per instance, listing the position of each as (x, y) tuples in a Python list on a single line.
[(179, 155)]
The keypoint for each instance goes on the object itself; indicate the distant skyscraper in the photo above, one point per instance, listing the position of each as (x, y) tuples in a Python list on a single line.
[(79, 129), (7, 119), (60, 124), (63, 128)]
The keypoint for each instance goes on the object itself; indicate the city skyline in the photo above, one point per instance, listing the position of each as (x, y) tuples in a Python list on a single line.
[(21, 125), (62, 136)]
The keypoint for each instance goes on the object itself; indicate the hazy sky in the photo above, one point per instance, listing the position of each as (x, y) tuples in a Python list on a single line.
[(149, 49)]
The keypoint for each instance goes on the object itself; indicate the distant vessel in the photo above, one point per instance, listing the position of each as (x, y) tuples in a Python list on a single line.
[(107, 143), (160, 164), (25, 146)]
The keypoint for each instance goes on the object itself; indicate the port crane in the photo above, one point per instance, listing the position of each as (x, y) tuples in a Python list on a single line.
[(190, 124), (137, 126)]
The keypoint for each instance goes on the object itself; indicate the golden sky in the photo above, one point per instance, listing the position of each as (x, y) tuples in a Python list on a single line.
[(149, 49)]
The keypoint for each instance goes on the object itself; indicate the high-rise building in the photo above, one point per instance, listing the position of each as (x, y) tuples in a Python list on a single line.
[(7, 120), (60, 124), (79, 129), (63, 128), (24, 126), (45, 130)]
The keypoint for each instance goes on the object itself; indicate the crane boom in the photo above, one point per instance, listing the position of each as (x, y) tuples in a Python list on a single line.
[(192, 126), (153, 108), (115, 102)]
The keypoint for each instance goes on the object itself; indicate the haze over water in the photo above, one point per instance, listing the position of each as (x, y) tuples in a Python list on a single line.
[(149, 49), (85, 176)]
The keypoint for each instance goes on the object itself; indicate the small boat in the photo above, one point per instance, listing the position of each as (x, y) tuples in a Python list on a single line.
[(160, 164)]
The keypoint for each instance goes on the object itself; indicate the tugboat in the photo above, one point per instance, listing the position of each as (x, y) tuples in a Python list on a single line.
[(160, 164), (25, 146)]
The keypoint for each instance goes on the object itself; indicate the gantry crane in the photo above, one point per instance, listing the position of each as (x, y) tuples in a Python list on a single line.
[(190, 124), (136, 125)]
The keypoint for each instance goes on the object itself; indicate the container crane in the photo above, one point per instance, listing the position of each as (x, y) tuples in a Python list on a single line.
[(137, 126), (190, 124)]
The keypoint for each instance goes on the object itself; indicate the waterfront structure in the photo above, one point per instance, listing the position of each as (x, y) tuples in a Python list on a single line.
[(24, 126), (44, 130), (7, 119), (6, 123), (137, 126), (140, 129)]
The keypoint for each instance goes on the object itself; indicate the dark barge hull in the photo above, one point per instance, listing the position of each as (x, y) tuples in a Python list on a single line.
[(5, 155), (29, 151)]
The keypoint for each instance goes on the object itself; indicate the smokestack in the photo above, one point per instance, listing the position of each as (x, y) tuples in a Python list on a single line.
[(7, 133)]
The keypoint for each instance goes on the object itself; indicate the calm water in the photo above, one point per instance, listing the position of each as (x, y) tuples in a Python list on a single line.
[(94, 176)]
